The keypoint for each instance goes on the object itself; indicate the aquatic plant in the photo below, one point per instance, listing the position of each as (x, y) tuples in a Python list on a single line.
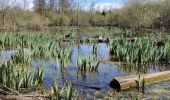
[(140, 84), (64, 56), (26, 80), (38, 76), (91, 63), (143, 85), (20, 58), (12, 76), (69, 91), (95, 50), (57, 93), (81, 64), (141, 50), (17, 77)]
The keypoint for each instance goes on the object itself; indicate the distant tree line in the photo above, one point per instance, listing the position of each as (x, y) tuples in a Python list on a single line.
[(134, 14)]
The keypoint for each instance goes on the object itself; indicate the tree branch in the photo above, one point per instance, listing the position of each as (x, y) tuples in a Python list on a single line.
[(4, 10)]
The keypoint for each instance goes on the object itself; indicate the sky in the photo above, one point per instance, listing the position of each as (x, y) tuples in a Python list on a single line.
[(85, 4), (103, 4)]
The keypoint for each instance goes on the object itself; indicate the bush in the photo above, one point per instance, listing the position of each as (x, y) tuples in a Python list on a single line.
[(60, 20)]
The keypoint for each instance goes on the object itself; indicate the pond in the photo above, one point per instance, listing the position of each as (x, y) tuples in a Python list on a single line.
[(90, 80)]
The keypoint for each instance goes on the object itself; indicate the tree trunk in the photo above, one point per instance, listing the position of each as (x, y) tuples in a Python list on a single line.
[(3, 23)]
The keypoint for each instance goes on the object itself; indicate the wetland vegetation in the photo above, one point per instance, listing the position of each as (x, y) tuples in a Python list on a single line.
[(35, 61), (57, 50)]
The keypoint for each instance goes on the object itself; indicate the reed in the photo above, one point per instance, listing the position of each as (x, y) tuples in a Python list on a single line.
[(58, 93), (141, 50), (38, 76), (64, 56), (91, 63), (69, 91), (95, 50), (20, 58), (140, 84), (18, 77)]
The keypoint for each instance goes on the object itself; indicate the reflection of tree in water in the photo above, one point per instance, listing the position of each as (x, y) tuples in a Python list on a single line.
[(83, 74), (138, 68), (63, 75), (93, 74), (163, 66)]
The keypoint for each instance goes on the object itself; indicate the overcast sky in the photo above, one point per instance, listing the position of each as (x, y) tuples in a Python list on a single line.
[(99, 4)]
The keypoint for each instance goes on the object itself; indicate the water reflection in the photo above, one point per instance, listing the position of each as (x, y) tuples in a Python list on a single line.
[(100, 78), (148, 68)]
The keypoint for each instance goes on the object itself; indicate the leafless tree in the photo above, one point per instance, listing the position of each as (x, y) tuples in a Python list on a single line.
[(25, 2), (65, 5), (52, 5), (4, 6), (40, 6)]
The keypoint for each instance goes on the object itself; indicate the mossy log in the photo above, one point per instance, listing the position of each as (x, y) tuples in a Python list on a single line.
[(128, 82)]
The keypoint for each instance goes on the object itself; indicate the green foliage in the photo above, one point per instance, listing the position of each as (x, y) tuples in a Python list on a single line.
[(140, 84), (57, 93), (81, 64), (140, 50), (69, 91), (17, 77), (20, 58), (91, 63), (38, 76), (95, 50)]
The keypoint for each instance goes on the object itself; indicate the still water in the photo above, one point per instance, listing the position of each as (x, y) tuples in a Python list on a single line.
[(99, 79)]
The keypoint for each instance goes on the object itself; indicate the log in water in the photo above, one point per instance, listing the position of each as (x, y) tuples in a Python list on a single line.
[(127, 82)]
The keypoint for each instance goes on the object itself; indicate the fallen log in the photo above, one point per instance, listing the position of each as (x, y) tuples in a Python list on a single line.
[(10, 94), (7, 91), (25, 97), (127, 82)]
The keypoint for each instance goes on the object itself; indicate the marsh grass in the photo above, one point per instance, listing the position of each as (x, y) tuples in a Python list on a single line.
[(95, 50), (140, 84), (91, 63), (17, 77), (64, 56), (58, 93), (140, 50), (20, 58)]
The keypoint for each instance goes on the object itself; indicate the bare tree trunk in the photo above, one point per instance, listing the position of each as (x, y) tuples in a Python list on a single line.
[(25, 1), (3, 21), (4, 9), (52, 5)]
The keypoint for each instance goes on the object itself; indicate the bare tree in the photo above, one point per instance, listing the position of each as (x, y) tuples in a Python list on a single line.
[(4, 6), (92, 7), (25, 2), (40, 6), (52, 5), (65, 5), (139, 13)]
